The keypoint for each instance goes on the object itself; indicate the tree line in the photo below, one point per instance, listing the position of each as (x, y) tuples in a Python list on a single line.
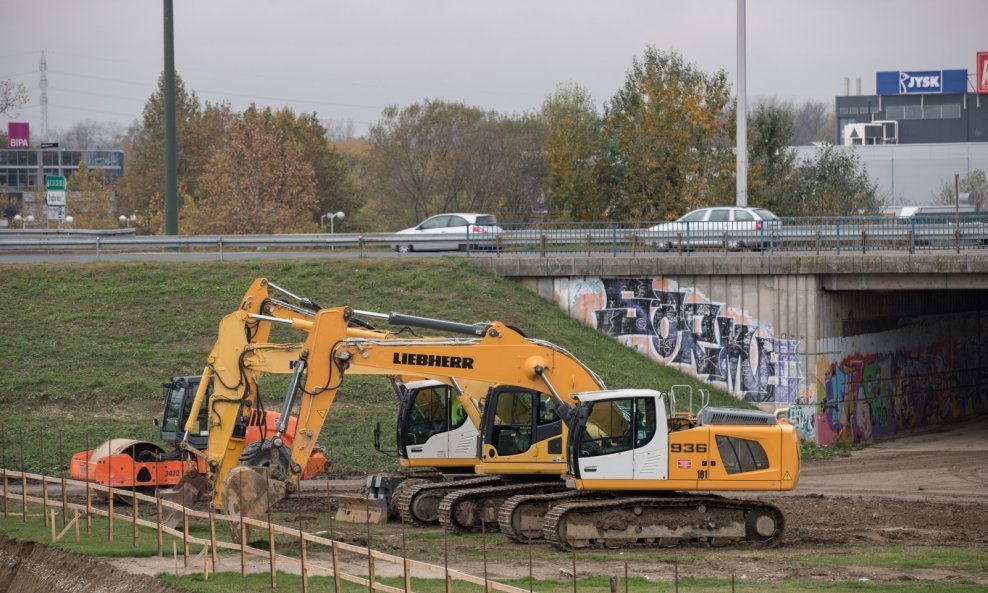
[(663, 144)]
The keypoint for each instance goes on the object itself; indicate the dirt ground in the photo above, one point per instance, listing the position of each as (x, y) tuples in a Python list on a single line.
[(925, 489)]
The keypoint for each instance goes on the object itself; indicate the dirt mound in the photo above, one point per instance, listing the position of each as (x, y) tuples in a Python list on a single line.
[(30, 567)]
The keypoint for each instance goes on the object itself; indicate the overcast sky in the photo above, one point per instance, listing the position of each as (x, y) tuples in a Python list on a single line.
[(348, 59)]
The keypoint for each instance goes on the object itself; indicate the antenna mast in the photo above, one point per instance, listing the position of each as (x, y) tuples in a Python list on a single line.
[(44, 96)]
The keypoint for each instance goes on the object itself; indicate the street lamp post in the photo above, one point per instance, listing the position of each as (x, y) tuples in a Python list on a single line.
[(331, 216)]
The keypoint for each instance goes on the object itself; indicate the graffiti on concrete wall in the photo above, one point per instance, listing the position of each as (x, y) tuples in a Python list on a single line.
[(681, 327), (868, 396)]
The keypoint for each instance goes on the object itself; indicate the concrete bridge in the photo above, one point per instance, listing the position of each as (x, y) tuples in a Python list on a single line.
[(856, 347)]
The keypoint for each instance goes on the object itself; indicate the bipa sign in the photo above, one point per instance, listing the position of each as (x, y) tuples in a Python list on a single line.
[(18, 135), (981, 74)]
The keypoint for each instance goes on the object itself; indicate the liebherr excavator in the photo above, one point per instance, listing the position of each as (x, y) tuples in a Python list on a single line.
[(620, 441)]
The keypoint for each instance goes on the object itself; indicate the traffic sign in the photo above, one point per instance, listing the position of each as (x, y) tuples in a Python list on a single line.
[(55, 197), (49, 145), (55, 182), (56, 212)]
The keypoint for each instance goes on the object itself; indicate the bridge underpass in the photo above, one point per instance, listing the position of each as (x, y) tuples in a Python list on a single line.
[(854, 347)]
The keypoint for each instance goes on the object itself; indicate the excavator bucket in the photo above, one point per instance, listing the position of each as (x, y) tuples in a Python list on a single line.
[(186, 492), (251, 491), (359, 508)]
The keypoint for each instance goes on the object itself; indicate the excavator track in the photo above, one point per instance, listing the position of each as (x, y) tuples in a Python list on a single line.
[(463, 511), (417, 501), (650, 521), (521, 516)]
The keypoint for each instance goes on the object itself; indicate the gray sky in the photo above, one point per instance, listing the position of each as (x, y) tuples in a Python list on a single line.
[(348, 59)]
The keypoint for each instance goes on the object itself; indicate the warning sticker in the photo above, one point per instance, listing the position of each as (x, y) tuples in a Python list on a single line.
[(787, 478), (684, 463), (322, 413)]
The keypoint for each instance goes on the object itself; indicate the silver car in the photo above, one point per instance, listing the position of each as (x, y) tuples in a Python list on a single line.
[(737, 228), (449, 232)]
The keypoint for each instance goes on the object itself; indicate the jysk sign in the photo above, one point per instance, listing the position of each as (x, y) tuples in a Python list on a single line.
[(921, 82)]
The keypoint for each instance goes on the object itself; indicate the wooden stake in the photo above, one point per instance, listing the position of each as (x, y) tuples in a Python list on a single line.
[(185, 538), (404, 559), (109, 516), (134, 509), (52, 523), (212, 539), (157, 503), (272, 555), (336, 568), (243, 548)]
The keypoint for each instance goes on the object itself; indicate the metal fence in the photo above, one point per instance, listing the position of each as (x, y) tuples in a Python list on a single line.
[(792, 235)]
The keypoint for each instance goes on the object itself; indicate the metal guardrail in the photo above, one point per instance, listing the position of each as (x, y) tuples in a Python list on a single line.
[(793, 235)]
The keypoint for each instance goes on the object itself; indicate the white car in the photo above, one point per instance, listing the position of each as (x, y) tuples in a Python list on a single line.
[(450, 232), (740, 228)]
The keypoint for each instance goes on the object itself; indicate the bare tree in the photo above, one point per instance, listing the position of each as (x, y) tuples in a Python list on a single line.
[(12, 96), (812, 121), (339, 130), (93, 135)]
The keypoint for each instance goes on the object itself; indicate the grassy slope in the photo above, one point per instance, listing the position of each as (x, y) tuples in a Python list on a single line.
[(86, 346)]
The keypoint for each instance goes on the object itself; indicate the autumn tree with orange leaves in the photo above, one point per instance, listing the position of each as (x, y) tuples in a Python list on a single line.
[(670, 139), (256, 183)]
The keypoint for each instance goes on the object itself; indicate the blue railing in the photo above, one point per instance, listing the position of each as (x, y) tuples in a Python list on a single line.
[(819, 235)]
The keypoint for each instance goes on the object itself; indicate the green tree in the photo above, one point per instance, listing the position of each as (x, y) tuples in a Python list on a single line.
[(88, 198), (276, 193), (670, 145), (199, 131), (835, 183), (974, 184), (772, 182), (574, 144)]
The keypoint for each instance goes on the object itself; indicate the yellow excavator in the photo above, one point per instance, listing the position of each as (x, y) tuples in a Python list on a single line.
[(546, 414), (438, 420)]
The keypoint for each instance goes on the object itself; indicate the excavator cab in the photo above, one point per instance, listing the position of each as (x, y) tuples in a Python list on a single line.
[(522, 432), (433, 425), (179, 393)]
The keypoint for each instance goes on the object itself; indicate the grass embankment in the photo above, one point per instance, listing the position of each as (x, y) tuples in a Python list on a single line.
[(87, 346)]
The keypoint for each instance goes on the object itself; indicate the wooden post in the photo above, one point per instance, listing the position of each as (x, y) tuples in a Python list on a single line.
[(614, 584), (303, 556), (159, 529), (272, 554), (243, 548), (370, 560), (3, 453), (134, 509), (212, 539), (76, 521), (65, 505), (89, 492), (24, 495), (44, 487), (205, 563), (449, 581), (404, 556), (185, 538), (483, 551), (336, 568), (52, 523), (175, 555), (109, 516), (574, 569)]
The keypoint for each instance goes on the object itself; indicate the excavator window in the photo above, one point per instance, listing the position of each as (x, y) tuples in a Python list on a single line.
[(512, 432), (433, 412), (644, 421), (610, 428), (741, 455)]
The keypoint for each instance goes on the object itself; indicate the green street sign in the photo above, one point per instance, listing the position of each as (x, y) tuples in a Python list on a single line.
[(55, 182)]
